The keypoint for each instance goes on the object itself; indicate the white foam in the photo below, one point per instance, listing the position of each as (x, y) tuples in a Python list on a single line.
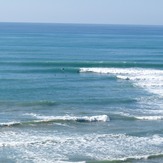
[(123, 77), (55, 147), (99, 118)]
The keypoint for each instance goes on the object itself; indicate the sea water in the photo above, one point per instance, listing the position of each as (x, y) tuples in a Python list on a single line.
[(81, 93)]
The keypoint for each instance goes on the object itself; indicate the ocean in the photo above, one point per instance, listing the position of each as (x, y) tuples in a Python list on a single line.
[(73, 93)]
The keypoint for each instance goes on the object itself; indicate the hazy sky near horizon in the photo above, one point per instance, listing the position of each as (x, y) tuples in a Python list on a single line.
[(83, 11)]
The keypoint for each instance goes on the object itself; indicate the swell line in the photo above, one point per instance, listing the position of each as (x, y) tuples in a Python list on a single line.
[(78, 64)]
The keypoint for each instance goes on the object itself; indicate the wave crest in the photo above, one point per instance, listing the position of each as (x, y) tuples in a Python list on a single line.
[(100, 118)]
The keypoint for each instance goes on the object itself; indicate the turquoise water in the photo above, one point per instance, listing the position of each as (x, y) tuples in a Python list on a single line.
[(81, 93)]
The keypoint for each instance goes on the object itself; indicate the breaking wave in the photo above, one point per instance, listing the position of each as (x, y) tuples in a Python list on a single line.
[(100, 118), (149, 79), (50, 119)]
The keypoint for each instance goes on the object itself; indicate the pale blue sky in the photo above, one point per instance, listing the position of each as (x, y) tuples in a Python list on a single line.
[(83, 11)]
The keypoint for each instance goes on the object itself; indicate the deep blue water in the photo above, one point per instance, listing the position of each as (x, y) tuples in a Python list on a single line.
[(81, 93)]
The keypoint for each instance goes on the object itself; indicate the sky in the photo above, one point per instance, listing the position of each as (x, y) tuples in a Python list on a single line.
[(145, 12)]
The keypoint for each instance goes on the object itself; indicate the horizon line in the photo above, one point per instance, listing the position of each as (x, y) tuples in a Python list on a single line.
[(71, 23)]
